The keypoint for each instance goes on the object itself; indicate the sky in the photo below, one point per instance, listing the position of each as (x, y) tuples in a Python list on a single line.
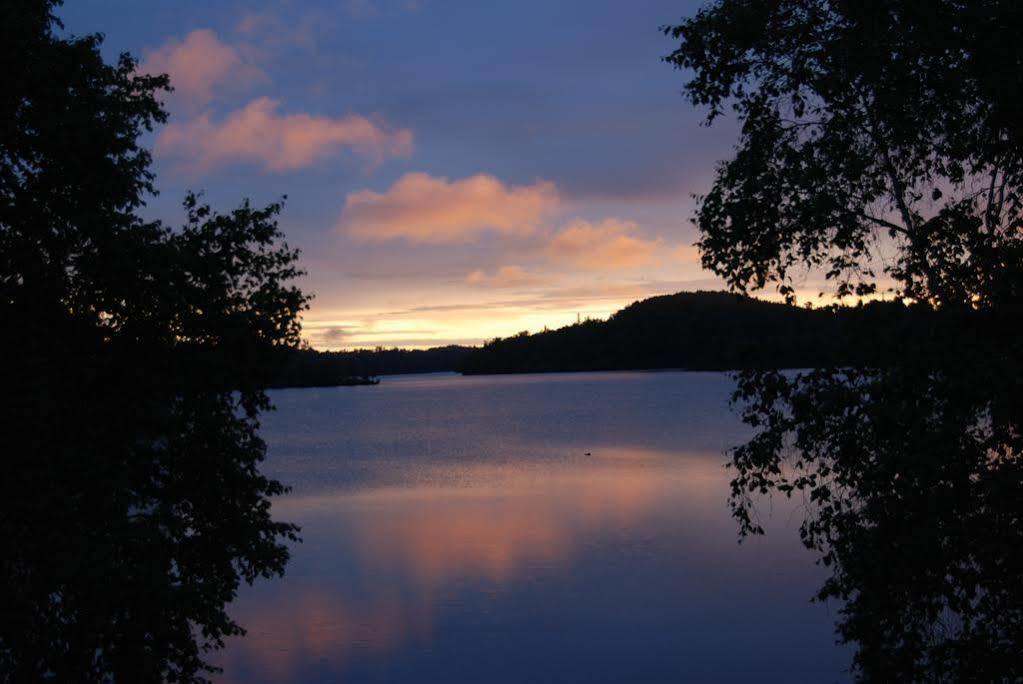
[(454, 171)]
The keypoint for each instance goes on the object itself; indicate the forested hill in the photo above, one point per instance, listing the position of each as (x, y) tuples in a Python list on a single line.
[(707, 331), (695, 330)]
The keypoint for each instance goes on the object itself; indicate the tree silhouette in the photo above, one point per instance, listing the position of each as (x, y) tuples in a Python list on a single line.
[(131, 504), (879, 140), (707, 331), (885, 127)]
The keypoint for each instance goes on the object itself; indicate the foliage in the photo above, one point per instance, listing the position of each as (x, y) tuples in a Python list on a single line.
[(131, 505), (877, 138), (912, 488), (880, 142)]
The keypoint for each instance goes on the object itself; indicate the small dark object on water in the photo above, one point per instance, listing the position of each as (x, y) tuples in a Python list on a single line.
[(587, 454)]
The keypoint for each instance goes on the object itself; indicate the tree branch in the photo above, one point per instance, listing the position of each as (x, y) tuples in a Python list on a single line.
[(898, 187), (881, 222)]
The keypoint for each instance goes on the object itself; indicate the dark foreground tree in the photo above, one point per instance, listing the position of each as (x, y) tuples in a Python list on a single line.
[(867, 127), (881, 146), (131, 504)]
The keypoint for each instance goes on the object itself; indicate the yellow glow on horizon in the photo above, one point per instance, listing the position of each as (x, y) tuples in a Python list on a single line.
[(456, 320)]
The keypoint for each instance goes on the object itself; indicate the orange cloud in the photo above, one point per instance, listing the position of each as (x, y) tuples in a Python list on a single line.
[(258, 133), (424, 208), (608, 245), (200, 65), (686, 254), (505, 276)]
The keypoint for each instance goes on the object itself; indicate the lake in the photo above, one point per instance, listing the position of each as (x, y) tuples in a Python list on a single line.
[(526, 528)]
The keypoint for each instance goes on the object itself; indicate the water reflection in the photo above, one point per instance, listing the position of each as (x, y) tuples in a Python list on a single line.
[(313, 629), (490, 526), (531, 561), (509, 518), (913, 488)]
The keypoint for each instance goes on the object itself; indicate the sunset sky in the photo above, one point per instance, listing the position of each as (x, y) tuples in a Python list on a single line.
[(455, 171)]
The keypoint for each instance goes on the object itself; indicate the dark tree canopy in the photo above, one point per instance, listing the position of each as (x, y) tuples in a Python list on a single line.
[(131, 504), (882, 140), (878, 138)]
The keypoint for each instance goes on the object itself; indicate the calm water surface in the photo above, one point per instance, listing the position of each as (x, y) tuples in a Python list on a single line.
[(536, 528)]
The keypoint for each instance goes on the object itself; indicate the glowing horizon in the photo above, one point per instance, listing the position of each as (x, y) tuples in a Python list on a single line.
[(434, 204)]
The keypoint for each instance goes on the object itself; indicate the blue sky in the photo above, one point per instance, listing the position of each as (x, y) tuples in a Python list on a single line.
[(455, 171)]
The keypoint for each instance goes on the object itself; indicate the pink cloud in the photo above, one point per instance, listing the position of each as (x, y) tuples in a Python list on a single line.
[(505, 276), (423, 208), (259, 134), (608, 245), (199, 66)]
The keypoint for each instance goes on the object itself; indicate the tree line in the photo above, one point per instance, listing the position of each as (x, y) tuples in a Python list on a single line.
[(687, 330), (714, 331), (308, 367)]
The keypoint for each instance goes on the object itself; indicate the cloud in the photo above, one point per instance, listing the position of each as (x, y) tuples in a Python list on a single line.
[(604, 246), (685, 254), (200, 66), (505, 276), (258, 133), (334, 335), (424, 208)]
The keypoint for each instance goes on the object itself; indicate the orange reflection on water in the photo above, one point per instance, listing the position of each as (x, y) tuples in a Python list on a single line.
[(317, 627), (484, 526), (504, 519)]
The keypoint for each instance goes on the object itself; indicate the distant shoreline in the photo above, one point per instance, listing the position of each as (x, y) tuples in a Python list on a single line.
[(687, 331), (346, 382), (385, 376)]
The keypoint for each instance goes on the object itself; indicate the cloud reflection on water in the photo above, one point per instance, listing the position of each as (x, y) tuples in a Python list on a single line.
[(455, 530), (414, 547)]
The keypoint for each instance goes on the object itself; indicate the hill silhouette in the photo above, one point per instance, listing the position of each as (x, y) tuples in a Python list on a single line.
[(707, 331), (692, 330)]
